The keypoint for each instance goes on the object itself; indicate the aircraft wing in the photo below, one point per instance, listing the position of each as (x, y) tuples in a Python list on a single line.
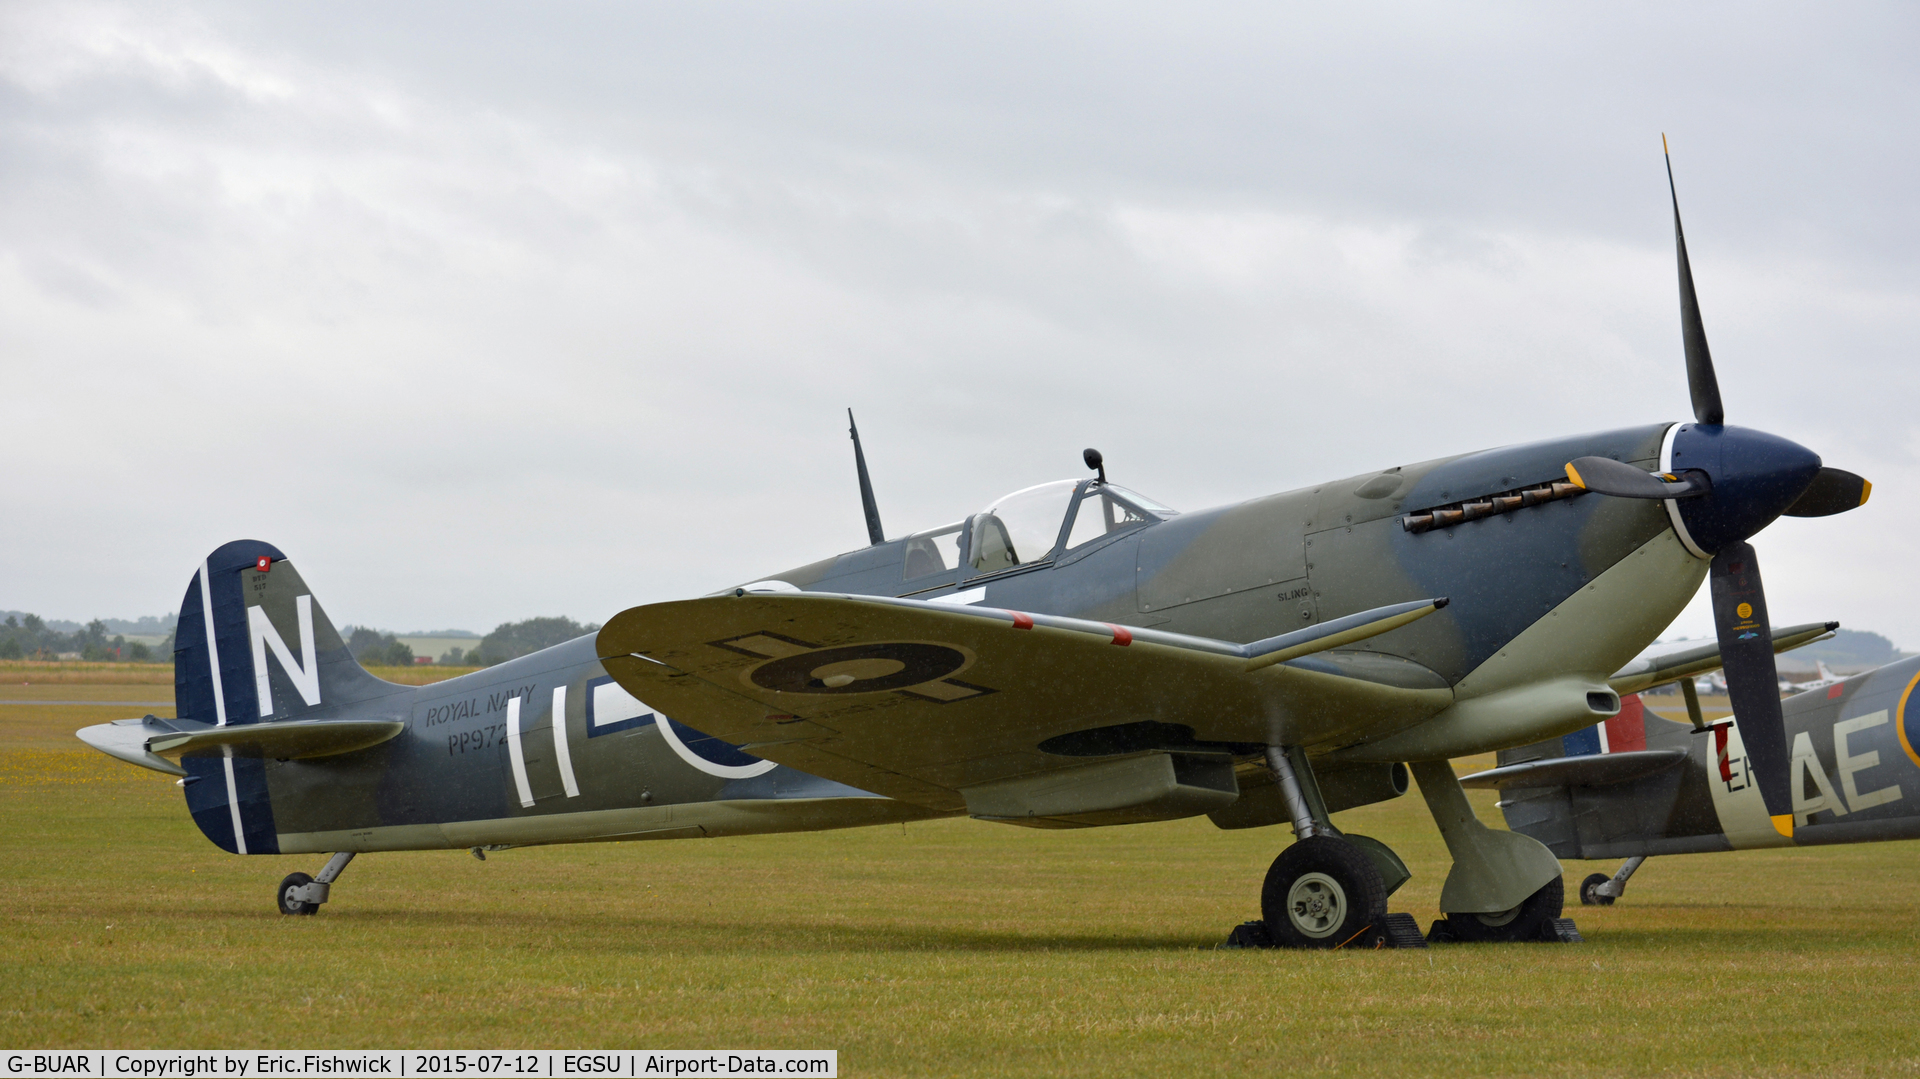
[(1590, 770), (1689, 659), (925, 702)]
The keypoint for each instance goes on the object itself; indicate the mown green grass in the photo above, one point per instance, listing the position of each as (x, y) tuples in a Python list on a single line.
[(943, 948)]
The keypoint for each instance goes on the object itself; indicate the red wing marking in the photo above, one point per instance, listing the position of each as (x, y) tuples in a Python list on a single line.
[(1120, 635), (1022, 621)]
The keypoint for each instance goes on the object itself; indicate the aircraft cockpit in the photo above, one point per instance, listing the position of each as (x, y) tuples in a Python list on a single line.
[(1032, 525)]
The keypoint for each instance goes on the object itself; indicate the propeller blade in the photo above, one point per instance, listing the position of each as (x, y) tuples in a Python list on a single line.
[(1700, 377), (1834, 490), (1753, 683), (1610, 477)]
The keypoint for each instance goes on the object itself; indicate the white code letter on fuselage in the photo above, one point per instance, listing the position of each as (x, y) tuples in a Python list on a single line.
[(305, 675)]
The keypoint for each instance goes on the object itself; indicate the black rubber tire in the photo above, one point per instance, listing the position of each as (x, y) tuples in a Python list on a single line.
[(1528, 921), (294, 906), (1591, 898), (1321, 893)]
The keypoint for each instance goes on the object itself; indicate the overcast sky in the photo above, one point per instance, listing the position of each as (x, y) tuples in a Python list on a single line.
[(485, 311)]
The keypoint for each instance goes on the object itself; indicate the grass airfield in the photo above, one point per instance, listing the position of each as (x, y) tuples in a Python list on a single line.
[(941, 948)]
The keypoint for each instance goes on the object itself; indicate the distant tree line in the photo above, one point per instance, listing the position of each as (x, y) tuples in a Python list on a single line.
[(148, 626), (28, 636), (511, 640), (1849, 647), (376, 649)]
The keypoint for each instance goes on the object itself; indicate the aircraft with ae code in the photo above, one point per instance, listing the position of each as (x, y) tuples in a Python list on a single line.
[(1637, 786)]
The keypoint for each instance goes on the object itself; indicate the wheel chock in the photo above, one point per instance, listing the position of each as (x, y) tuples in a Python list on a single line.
[(1561, 931), (1402, 931), (1393, 931), (1248, 935), (1552, 931)]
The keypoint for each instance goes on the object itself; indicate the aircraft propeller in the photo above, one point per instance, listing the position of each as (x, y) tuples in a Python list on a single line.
[(1735, 481)]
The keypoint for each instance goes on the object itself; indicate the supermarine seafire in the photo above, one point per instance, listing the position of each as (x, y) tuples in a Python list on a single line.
[(1074, 655), (1636, 785)]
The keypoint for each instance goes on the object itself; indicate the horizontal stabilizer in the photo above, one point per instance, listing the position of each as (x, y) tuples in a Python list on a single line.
[(1591, 770), (126, 739), (159, 743), (292, 740), (1690, 659)]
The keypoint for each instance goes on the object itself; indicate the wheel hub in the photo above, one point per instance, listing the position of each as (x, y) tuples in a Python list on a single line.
[(1500, 918), (1316, 904)]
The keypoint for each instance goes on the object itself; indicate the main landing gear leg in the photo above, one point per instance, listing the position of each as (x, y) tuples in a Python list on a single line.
[(301, 894), (1503, 886), (1600, 890), (1327, 890)]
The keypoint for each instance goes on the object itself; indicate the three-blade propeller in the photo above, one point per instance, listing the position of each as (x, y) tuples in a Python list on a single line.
[(1739, 600)]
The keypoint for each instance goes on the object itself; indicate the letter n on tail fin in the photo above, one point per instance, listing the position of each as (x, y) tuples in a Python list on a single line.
[(305, 674)]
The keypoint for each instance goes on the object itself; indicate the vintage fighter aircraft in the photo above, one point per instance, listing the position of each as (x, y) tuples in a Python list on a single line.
[(1073, 655), (1637, 785)]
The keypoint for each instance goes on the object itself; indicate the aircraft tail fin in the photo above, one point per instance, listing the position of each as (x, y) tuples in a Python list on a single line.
[(252, 646)]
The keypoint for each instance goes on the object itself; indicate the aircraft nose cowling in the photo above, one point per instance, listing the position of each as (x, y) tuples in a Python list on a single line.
[(1755, 475)]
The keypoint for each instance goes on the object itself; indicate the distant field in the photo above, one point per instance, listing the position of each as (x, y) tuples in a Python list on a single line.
[(15, 674), (943, 948)]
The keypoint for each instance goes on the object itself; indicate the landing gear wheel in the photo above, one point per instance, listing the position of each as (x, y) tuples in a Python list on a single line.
[(290, 905), (1591, 898), (1321, 893), (1528, 921)]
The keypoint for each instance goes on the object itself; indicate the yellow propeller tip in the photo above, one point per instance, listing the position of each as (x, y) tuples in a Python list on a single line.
[(1573, 477), (1866, 491), (1784, 824)]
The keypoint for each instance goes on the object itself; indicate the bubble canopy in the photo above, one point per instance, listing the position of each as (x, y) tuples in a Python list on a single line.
[(1026, 526)]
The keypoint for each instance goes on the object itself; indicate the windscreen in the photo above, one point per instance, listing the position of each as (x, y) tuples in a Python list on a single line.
[(1020, 528)]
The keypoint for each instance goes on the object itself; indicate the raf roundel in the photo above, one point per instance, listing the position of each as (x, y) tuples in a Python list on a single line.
[(860, 668), (1907, 720)]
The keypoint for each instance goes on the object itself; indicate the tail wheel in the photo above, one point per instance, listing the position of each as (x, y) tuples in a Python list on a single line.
[(1589, 896), (1321, 893), (289, 889), (1527, 921)]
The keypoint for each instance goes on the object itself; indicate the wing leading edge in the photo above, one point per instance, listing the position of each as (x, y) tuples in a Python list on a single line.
[(1675, 662)]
